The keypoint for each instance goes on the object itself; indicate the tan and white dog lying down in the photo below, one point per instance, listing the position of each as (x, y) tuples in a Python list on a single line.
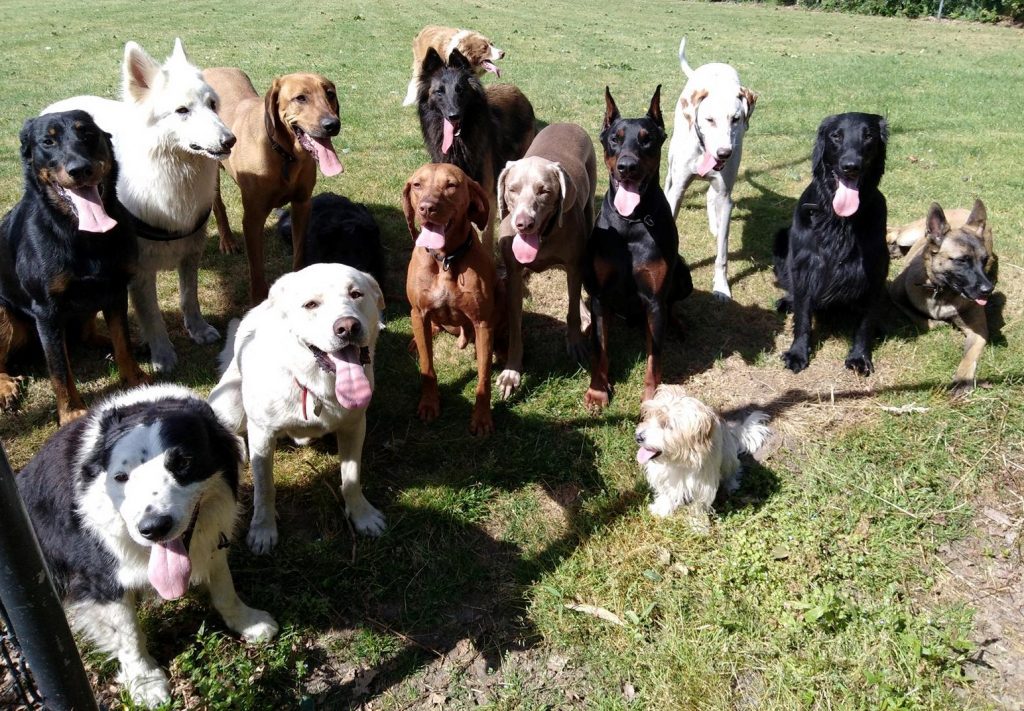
[(481, 54), (546, 206), (687, 450), (300, 365), (712, 116)]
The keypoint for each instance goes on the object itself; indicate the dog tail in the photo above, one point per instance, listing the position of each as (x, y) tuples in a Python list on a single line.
[(687, 70), (752, 433)]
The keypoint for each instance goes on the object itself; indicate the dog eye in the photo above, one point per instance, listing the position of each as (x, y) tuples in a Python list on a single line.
[(417, 185), (711, 121), (330, 93), (735, 119), (121, 477), (48, 142), (836, 135), (355, 294), (182, 111), (301, 98), (212, 104), (311, 304)]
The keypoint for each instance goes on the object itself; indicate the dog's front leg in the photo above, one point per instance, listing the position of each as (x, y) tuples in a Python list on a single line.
[(365, 518), (117, 324), (575, 343), (511, 376), (188, 297), (430, 399), (481, 422), (263, 529), (252, 624), (300, 222), (254, 218), (975, 327), (220, 215), (69, 402), (719, 214), (859, 357), (655, 342), (796, 358), (147, 309), (599, 393)]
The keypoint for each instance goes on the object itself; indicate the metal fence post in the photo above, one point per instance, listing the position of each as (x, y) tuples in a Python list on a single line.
[(34, 609)]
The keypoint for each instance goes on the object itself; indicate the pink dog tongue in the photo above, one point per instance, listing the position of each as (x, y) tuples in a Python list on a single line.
[(644, 455), (525, 247), (169, 569), (491, 67), (981, 302), (449, 136), (846, 201), (707, 163), (326, 158), (626, 199), (431, 236), (351, 386), (91, 215)]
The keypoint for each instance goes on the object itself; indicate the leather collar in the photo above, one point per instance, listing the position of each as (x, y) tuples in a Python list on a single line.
[(159, 234), (447, 261)]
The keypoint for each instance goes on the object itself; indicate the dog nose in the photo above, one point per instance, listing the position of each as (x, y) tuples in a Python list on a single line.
[(426, 209), (524, 223), (627, 167), (155, 526), (228, 142), (331, 125), (849, 166), (347, 326), (640, 437), (723, 153), (986, 288), (80, 171)]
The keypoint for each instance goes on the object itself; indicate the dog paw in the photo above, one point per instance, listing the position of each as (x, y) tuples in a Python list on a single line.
[(861, 364), (203, 333), (138, 377), (262, 537), (720, 290), (481, 424), (163, 359), (429, 409), (596, 400), (578, 349), (8, 390), (784, 305), (661, 507), (254, 625), (367, 519), (960, 389), (148, 687), (794, 361), (228, 245), (507, 382)]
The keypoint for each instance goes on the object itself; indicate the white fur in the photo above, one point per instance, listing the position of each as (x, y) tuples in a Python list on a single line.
[(723, 116), (168, 178), (697, 450), (266, 357)]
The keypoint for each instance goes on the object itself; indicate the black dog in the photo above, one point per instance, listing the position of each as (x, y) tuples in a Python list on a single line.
[(834, 253), (340, 231), (476, 129), (67, 251), (632, 266)]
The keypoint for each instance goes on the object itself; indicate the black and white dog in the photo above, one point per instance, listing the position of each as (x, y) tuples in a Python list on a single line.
[(139, 496)]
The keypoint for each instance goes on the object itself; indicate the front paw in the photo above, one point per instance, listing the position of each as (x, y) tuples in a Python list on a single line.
[(429, 408), (720, 290), (162, 358), (367, 520), (794, 360), (960, 389), (661, 507), (481, 423), (507, 382), (71, 415), (148, 687), (262, 536), (228, 245), (596, 400), (8, 390), (138, 377), (861, 364), (578, 349), (203, 333), (254, 625)]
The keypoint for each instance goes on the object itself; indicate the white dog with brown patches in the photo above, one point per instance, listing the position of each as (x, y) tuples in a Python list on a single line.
[(687, 450), (476, 48), (712, 115)]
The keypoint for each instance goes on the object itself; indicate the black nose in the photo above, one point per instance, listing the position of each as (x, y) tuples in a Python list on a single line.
[(627, 167), (80, 171), (723, 153), (347, 326), (849, 166), (331, 125), (453, 117), (227, 143), (640, 437), (155, 526), (986, 288)]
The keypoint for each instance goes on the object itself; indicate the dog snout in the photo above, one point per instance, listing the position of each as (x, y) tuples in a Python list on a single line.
[(427, 208), (80, 170), (640, 436), (525, 223), (154, 527), (986, 288), (627, 167), (228, 143), (850, 165), (724, 153), (347, 327), (331, 125)]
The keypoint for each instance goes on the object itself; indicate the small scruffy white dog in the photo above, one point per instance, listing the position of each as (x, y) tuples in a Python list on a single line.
[(687, 450)]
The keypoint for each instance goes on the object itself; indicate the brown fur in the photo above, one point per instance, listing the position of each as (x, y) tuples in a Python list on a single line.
[(901, 239), (936, 252), (472, 45), (466, 296), (264, 177), (13, 336)]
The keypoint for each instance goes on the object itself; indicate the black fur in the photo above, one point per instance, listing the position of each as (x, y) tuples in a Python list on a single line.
[(340, 231), (632, 265), (823, 260), (82, 567)]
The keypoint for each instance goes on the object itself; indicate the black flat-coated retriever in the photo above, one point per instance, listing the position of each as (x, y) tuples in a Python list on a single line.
[(834, 254)]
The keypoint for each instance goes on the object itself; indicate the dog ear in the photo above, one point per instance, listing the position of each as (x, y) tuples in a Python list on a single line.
[(654, 110), (694, 428), (611, 111), (818, 153), (432, 62), (689, 105), (479, 211), (750, 99), (331, 91), (376, 293), (178, 54), (502, 204), (458, 60), (27, 139), (568, 197), (978, 216), (883, 130), (271, 116), (138, 72), (407, 208), (936, 226)]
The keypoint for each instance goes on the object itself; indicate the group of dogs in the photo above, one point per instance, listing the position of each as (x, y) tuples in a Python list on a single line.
[(139, 494)]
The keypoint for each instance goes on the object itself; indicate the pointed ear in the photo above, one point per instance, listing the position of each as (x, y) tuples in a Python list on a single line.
[(502, 204), (936, 226), (654, 110), (611, 111), (271, 116), (138, 72), (568, 198), (458, 60), (978, 216), (690, 103), (27, 141), (479, 211), (432, 62), (178, 54), (749, 99), (410, 213)]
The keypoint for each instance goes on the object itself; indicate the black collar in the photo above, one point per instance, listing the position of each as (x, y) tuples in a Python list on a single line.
[(647, 219), (283, 152), (159, 234), (448, 260), (186, 537), (696, 126)]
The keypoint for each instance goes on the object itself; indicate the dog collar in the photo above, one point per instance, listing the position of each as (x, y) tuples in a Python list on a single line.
[(317, 407), (159, 234), (448, 260), (696, 126), (281, 151), (647, 219), (186, 538)]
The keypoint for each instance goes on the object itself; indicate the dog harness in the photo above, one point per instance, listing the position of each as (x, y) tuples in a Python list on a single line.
[(159, 234), (448, 260)]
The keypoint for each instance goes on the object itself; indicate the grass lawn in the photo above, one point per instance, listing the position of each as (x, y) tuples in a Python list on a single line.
[(828, 581)]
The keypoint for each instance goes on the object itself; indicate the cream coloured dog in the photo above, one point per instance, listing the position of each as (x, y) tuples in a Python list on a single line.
[(687, 450), (301, 365), (712, 115)]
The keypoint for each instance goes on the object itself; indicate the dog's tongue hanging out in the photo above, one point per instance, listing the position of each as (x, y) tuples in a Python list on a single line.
[(431, 236), (92, 217), (449, 136), (847, 199), (351, 386), (644, 455), (491, 67), (169, 568), (627, 197), (525, 247), (325, 156), (707, 163)]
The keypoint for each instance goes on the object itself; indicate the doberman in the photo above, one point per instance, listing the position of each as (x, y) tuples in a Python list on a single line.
[(632, 266)]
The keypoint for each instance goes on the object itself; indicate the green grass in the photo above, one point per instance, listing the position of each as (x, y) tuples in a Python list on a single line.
[(812, 589)]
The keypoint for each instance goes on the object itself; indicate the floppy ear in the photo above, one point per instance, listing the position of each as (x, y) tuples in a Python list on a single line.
[(138, 72), (271, 117), (502, 204), (883, 130), (818, 153), (432, 62), (375, 292), (750, 99), (410, 213), (27, 141), (689, 105), (479, 211), (936, 226), (694, 430), (611, 111), (654, 110), (332, 98), (568, 197), (458, 60)]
